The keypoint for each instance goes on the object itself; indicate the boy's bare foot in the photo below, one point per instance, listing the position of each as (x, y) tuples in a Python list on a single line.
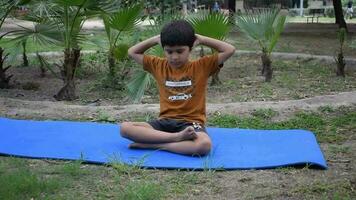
[(187, 134)]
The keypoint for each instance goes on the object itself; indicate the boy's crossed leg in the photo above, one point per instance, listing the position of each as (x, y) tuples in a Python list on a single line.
[(186, 141)]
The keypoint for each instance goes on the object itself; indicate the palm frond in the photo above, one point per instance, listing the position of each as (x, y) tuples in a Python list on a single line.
[(277, 33), (70, 2), (214, 25), (251, 25), (157, 51), (126, 19), (263, 27), (42, 9), (41, 35), (46, 64), (138, 84), (102, 44), (121, 51)]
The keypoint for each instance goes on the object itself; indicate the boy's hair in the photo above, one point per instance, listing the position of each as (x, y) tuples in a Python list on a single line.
[(178, 33)]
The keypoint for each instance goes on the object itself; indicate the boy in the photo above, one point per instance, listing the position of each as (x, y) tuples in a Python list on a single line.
[(182, 88)]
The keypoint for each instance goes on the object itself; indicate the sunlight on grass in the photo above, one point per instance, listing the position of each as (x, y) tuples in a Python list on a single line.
[(331, 129)]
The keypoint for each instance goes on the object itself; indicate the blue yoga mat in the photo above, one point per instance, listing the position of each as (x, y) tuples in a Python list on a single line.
[(101, 143)]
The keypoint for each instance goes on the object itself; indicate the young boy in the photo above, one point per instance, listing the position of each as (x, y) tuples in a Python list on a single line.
[(182, 87)]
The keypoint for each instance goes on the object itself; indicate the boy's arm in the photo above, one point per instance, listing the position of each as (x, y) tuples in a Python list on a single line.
[(136, 51), (225, 49)]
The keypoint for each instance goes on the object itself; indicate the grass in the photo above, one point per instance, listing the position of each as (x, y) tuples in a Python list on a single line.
[(292, 79), (72, 169), (340, 190), (18, 182), (145, 190), (335, 126)]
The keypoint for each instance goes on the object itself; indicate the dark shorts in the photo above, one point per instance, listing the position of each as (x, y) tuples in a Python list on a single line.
[(172, 125)]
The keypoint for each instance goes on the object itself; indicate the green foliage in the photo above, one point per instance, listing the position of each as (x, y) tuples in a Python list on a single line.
[(326, 109), (6, 6), (138, 84), (214, 25), (130, 169), (331, 130), (143, 190), (73, 169), (104, 117), (264, 113), (18, 182), (120, 51), (265, 27), (126, 18), (41, 35)]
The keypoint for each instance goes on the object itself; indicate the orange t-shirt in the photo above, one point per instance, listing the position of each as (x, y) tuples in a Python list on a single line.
[(182, 90)]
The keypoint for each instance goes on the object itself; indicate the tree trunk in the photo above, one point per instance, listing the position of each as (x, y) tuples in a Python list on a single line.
[(340, 71), (71, 63), (232, 6), (4, 79), (42, 67), (267, 70), (339, 16), (24, 56), (232, 10), (112, 64), (215, 80)]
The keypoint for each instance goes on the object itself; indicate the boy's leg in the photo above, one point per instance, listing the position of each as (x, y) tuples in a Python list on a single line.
[(199, 146), (142, 132)]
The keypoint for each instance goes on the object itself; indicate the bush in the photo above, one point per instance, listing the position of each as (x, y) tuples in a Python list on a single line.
[(330, 12)]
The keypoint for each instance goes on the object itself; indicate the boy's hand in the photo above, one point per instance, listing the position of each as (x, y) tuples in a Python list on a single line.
[(197, 40), (225, 50), (137, 51)]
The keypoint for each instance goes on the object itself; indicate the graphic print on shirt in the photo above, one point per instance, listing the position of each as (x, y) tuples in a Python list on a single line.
[(179, 90)]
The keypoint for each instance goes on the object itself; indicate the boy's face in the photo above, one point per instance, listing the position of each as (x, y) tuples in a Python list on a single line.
[(177, 56)]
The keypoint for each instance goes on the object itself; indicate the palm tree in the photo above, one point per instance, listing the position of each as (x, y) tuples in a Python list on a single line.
[(122, 21), (264, 28), (70, 18), (214, 25), (42, 34), (6, 7)]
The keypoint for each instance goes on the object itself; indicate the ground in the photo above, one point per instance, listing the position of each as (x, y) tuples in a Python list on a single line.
[(304, 93)]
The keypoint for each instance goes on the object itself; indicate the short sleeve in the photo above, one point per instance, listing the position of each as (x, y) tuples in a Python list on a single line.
[(209, 63), (151, 63)]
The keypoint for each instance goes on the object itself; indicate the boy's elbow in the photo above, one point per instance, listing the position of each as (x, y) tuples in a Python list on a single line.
[(232, 50), (130, 52)]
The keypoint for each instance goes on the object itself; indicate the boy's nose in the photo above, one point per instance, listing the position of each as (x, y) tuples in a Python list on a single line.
[(175, 56)]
